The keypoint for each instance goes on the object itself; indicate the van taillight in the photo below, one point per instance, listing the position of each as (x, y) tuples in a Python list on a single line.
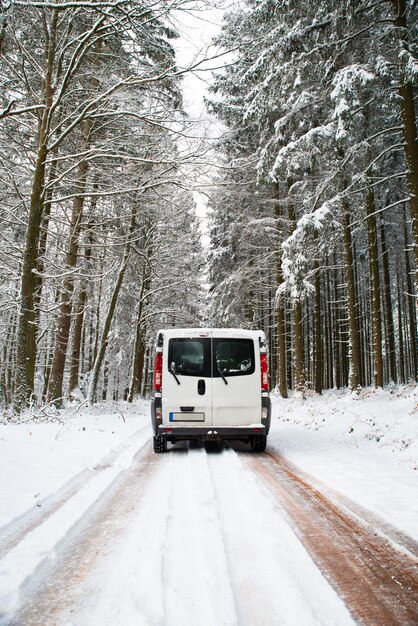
[(264, 372), (158, 371)]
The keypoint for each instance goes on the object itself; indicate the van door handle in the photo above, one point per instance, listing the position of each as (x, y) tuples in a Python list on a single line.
[(201, 387), (187, 409)]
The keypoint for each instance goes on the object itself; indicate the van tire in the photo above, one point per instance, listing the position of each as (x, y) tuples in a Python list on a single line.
[(258, 443), (213, 446), (160, 444)]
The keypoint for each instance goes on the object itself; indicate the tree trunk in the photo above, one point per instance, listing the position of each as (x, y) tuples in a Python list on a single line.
[(26, 331), (6, 363), (137, 362), (272, 339), (299, 376), (411, 300), (106, 383), (344, 332), (280, 312), (388, 305), (139, 346), (94, 378), (336, 328), (307, 356), (43, 238), (354, 341), (402, 376), (281, 349), (73, 384), (55, 390), (329, 330), (95, 322), (376, 313), (140, 363), (319, 365), (64, 316), (408, 124)]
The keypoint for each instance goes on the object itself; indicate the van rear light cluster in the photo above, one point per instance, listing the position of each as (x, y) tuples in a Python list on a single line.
[(158, 371), (264, 372)]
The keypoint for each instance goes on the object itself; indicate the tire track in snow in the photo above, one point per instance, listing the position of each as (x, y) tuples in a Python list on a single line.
[(14, 532), (197, 587), (273, 578), (378, 582), (399, 539), (57, 585), (241, 589)]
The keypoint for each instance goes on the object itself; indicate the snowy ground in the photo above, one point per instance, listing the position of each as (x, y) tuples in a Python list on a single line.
[(363, 446), (191, 539)]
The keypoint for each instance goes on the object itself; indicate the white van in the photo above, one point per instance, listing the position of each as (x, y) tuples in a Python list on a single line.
[(210, 385)]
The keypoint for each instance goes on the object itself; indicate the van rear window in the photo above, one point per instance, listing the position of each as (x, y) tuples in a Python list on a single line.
[(233, 357), (189, 357)]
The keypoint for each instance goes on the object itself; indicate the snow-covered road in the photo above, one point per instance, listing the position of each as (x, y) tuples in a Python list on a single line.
[(183, 539), (99, 530), (193, 537), (373, 566)]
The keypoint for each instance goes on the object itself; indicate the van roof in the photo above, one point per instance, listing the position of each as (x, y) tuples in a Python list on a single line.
[(224, 332)]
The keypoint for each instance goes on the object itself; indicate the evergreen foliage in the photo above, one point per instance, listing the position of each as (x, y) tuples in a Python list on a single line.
[(321, 142)]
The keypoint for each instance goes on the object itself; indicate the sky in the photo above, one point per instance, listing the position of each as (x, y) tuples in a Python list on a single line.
[(197, 29)]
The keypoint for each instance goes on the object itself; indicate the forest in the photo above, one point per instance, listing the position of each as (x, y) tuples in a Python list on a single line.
[(312, 193)]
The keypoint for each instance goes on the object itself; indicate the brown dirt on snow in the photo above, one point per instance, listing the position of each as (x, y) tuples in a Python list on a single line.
[(377, 580)]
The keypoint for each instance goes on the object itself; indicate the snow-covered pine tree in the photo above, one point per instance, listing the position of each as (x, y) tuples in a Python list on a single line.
[(318, 92)]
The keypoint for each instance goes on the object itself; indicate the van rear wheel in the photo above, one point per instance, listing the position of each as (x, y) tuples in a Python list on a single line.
[(258, 443), (160, 444)]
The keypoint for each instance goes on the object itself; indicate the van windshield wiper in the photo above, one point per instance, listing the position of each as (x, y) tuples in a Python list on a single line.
[(171, 370), (223, 376)]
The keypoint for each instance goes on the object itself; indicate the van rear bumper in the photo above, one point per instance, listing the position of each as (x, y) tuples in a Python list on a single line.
[(212, 433), (208, 432)]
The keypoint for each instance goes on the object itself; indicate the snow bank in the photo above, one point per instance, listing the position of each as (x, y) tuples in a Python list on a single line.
[(364, 446), (38, 460)]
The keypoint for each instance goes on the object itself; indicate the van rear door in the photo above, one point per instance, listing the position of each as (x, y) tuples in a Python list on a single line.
[(187, 380), (236, 380)]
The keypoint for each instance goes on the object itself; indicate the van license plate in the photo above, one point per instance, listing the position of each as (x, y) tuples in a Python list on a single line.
[(187, 417)]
